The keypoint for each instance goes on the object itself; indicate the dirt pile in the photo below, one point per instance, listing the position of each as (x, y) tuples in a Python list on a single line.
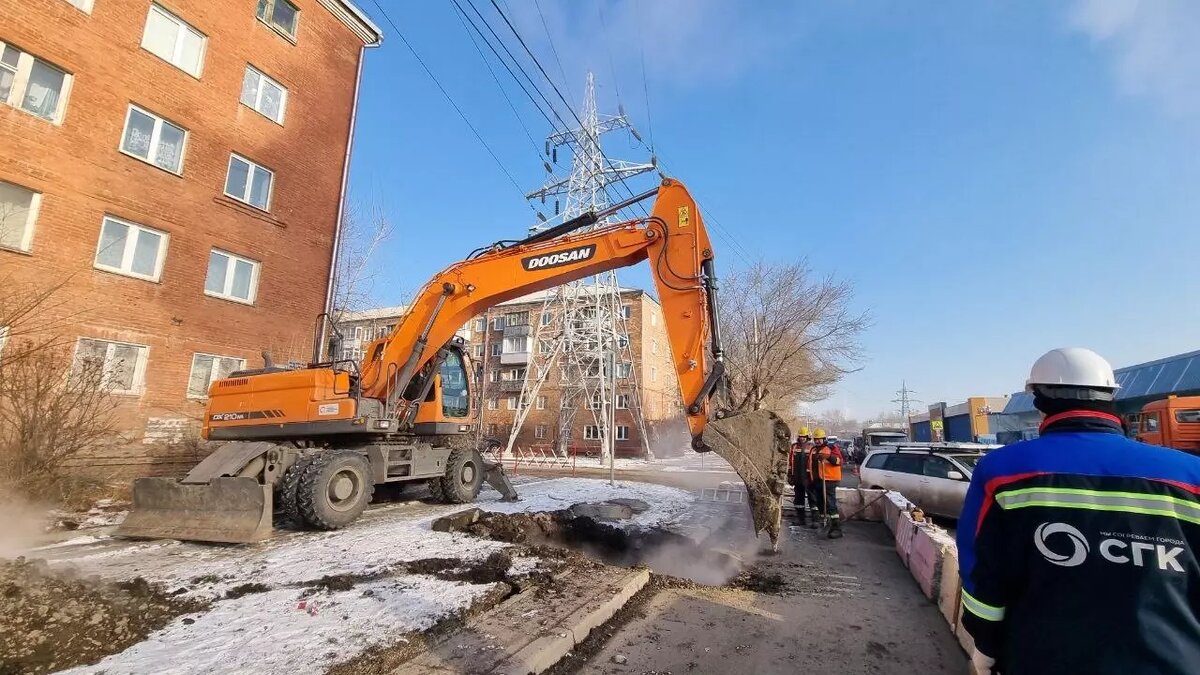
[(50, 620)]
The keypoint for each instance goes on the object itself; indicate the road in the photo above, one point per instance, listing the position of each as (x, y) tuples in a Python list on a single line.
[(848, 606)]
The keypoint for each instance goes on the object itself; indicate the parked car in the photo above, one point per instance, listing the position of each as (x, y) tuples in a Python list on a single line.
[(933, 476)]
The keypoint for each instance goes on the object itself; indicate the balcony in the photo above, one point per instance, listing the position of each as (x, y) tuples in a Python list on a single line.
[(514, 358), (518, 331), (509, 385)]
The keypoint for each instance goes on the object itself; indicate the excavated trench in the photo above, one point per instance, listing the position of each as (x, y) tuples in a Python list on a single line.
[(585, 529)]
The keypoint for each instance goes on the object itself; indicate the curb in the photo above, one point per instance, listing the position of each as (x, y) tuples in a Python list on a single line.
[(546, 651)]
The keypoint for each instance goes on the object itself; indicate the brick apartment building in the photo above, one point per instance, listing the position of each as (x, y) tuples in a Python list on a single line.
[(181, 166), (502, 346)]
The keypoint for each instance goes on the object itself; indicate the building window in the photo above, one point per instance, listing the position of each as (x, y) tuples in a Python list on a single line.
[(626, 311), (33, 85), (84, 6), (624, 370), (480, 325), (591, 432), (653, 318), (516, 344), (478, 351), (516, 319), (207, 368), (539, 431), (654, 346), (546, 318), (231, 277), (174, 41), (248, 182), (512, 403), (123, 365), (493, 404), (653, 374), (541, 403), (264, 94), (495, 376), (595, 402), (18, 213), (514, 375), (622, 341), (622, 432), (280, 15), (498, 323), (622, 401), (131, 249), (497, 347), (154, 140)]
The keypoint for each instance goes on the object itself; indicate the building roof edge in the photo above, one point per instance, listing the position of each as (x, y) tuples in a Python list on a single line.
[(356, 20)]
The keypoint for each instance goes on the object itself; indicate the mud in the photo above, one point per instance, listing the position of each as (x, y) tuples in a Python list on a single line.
[(661, 550), (760, 582), (51, 620), (493, 569), (246, 589)]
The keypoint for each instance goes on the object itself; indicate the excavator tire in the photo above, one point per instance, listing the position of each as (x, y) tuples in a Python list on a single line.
[(464, 477), (286, 505), (334, 489)]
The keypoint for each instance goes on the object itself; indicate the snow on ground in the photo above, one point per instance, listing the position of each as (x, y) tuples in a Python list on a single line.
[(265, 632)]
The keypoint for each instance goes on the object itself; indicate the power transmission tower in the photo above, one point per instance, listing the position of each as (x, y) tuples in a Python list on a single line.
[(905, 400), (582, 327)]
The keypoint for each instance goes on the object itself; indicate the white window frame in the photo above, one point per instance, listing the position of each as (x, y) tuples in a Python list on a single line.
[(493, 404), (654, 347), (212, 374), (626, 311), (539, 431), (497, 347), (254, 276), (139, 368), (622, 401), (540, 401), (498, 323), (624, 370), (653, 318), (480, 325), (591, 432), (622, 432), (495, 375), (477, 351), (283, 101), (16, 95), (278, 29), (547, 317), (178, 53), (84, 6), (594, 403), (245, 196), (653, 374), (155, 137), (35, 205), (130, 248), (511, 403)]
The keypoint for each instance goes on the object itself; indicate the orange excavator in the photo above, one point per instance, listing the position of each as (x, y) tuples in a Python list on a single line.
[(310, 444)]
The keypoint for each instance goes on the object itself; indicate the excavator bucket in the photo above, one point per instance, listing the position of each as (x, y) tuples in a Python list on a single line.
[(756, 444), (225, 509)]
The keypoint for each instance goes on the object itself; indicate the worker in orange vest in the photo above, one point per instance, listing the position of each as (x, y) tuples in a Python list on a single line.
[(798, 473), (827, 463)]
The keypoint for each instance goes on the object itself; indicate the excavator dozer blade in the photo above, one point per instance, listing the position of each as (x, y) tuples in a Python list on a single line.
[(756, 444), (228, 510)]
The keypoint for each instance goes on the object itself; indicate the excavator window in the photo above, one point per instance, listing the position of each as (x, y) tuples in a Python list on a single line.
[(456, 396)]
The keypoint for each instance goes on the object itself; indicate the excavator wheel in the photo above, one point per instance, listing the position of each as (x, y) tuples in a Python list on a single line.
[(286, 505), (334, 489), (464, 476)]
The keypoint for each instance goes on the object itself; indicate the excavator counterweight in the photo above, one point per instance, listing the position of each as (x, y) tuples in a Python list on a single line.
[(310, 444)]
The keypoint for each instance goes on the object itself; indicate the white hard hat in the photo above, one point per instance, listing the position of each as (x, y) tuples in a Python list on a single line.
[(1072, 367)]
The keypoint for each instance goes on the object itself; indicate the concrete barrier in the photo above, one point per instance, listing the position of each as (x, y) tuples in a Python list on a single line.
[(861, 504), (931, 556)]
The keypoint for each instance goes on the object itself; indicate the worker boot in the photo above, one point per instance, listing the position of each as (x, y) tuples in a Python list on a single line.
[(835, 527), (814, 519)]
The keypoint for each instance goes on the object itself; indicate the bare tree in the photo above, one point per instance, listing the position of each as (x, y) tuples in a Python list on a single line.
[(31, 316), (364, 230), (789, 335)]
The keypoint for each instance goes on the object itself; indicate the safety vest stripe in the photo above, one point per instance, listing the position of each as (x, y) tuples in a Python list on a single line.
[(1160, 505), (981, 609)]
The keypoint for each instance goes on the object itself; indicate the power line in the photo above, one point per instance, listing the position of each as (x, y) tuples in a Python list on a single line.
[(546, 27), (611, 64), (450, 100), (496, 79), (645, 87)]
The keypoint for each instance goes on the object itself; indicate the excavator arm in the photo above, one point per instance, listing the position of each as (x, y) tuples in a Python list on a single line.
[(672, 238)]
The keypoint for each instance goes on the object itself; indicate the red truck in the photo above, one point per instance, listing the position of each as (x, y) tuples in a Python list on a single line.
[(1173, 422)]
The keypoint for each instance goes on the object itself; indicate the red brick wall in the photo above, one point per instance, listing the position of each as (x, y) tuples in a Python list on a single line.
[(83, 176)]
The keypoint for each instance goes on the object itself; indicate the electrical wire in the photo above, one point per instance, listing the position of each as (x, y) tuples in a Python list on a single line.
[(553, 49), (450, 100), (645, 87), (611, 64)]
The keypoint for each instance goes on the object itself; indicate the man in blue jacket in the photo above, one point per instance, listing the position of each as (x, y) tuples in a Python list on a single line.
[(1079, 550)]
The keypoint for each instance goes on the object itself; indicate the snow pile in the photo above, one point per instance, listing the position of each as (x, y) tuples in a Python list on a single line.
[(666, 503)]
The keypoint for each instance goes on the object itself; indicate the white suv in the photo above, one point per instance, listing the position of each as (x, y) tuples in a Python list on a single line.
[(933, 476)]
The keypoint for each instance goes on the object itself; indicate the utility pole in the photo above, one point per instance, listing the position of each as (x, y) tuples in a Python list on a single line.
[(905, 400), (582, 326)]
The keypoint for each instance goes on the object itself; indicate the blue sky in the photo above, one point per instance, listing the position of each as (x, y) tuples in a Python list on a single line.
[(995, 179)]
